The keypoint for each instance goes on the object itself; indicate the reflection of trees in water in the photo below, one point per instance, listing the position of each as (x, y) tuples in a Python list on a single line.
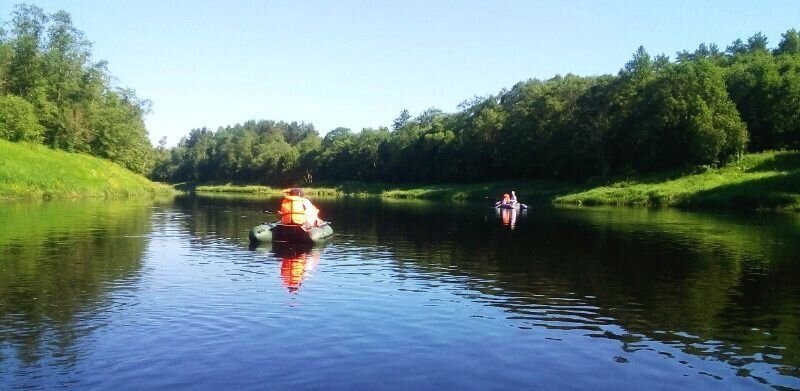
[(61, 260), (224, 218), (710, 285)]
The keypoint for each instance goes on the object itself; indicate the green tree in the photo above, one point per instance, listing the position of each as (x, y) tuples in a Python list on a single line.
[(401, 120), (790, 44), (6, 56), (757, 43), (694, 121), (752, 81), (786, 110), (120, 133), (18, 120)]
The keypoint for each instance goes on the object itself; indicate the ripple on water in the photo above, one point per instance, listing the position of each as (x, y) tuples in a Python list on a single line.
[(385, 307)]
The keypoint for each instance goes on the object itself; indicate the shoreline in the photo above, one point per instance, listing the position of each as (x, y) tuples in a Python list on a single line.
[(758, 181)]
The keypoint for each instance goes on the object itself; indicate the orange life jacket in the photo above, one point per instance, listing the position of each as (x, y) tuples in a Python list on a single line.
[(292, 210)]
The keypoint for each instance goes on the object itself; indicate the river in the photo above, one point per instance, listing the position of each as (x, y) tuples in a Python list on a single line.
[(408, 295)]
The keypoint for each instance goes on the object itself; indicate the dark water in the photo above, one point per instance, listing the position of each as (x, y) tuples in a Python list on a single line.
[(407, 296)]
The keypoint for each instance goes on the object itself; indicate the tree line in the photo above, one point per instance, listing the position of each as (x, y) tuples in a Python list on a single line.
[(53, 92), (705, 108)]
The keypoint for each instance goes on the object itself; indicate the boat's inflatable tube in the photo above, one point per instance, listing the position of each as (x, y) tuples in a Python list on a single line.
[(277, 232)]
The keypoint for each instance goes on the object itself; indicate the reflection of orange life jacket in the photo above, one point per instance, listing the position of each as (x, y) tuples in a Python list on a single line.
[(292, 210), (292, 272)]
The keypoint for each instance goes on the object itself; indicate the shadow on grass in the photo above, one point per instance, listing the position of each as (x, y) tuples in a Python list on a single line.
[(783, 161), (777, 192)]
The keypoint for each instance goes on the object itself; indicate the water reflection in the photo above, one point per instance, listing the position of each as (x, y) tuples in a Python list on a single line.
[(296, 266), (693, 300), (509, 216), (60, 263), (297, 261), (710, 285)]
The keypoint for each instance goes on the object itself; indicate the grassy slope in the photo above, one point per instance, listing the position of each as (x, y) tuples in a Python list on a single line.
[(35, 171), (761, 180)]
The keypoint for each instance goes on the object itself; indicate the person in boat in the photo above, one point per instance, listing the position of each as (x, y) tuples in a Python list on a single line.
[(296, 209), (513, 197), (506, 200)]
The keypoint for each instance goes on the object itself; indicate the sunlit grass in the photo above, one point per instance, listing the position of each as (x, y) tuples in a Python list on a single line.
[(768, 180), (35, 171)]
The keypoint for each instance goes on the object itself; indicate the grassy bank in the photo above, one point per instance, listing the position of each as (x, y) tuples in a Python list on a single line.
[(768, 180), (35, 171)]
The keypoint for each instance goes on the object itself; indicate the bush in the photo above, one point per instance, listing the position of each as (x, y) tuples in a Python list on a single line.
[(18, 120)]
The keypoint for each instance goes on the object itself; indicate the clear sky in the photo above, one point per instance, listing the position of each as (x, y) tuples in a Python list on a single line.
[(359, 63)]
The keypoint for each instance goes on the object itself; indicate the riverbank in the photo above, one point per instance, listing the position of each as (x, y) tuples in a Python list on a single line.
[(768, 180), (34, 171), (534, 191)]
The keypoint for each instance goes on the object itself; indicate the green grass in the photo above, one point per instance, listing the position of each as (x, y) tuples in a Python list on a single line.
[(35, 171), (767, 180)]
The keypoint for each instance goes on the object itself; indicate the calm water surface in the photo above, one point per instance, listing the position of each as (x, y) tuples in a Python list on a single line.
[(114, 295)]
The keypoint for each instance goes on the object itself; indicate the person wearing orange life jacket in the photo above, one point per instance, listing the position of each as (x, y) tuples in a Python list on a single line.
[(295, 209), (506, 200)]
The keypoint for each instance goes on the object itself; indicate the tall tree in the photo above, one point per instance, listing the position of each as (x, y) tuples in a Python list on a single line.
[(790, 44)]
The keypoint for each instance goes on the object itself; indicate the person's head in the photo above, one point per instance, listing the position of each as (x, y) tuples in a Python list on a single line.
[(512, 192), (296, 191), (505, 195)]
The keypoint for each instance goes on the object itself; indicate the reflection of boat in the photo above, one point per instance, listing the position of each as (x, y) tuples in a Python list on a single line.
[(297, 259), (509, 216), (278, 232)]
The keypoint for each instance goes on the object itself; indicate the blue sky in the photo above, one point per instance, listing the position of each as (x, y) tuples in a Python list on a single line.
[(359, 63)]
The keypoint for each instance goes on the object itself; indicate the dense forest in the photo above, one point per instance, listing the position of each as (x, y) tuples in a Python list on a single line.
[(53, 92), (704, 108)]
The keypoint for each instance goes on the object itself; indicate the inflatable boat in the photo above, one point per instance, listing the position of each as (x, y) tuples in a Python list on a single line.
[(290, 233)]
